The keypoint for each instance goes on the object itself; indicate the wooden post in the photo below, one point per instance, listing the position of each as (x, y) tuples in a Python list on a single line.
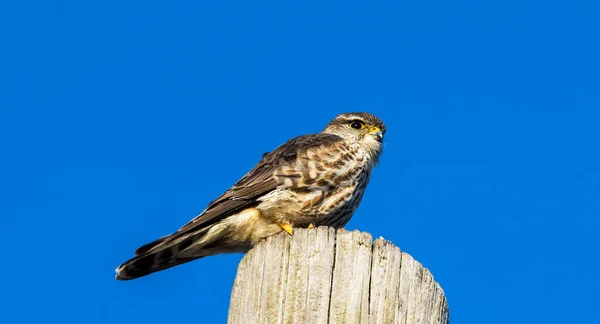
[(326, 276)]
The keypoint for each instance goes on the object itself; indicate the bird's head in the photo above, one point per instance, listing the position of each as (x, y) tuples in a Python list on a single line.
[(361, 127)]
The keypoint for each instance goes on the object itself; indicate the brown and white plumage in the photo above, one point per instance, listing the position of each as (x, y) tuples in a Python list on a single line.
[(316, 179)]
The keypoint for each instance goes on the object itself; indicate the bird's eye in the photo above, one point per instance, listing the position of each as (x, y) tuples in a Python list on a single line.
[(357, 124)]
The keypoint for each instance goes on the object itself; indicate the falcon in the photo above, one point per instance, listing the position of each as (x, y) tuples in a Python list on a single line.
[(311, 180)]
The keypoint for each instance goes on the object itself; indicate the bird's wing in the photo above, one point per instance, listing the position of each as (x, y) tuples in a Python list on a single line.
[(266, 176)]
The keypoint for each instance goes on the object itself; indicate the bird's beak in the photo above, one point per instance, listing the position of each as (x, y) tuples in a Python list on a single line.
[(376, 133)]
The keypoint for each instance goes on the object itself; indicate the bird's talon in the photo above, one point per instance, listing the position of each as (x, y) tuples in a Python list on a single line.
[(287, 228), (311, 225)]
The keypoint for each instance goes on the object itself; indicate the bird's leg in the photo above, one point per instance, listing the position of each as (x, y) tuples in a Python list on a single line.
[(286, 227)]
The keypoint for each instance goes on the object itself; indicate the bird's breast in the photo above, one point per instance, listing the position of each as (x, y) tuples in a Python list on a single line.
[(320, 187)]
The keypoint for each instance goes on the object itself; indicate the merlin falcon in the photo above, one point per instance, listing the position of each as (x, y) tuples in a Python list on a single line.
[(312, 180)]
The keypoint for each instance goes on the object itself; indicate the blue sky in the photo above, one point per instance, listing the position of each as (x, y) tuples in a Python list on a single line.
[(121, 120)]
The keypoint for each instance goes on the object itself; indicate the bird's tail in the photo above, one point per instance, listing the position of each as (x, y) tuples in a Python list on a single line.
[(162, 254), (153, 261), (143, 265), (187, 244)]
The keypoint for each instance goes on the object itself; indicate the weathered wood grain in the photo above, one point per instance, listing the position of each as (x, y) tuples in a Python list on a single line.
[(326, 276)]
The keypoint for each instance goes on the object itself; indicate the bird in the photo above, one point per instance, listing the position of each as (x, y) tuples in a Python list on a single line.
[(310, 180)]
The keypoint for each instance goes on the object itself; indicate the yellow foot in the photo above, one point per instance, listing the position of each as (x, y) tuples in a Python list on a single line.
[(287, 228), (311, 225)]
